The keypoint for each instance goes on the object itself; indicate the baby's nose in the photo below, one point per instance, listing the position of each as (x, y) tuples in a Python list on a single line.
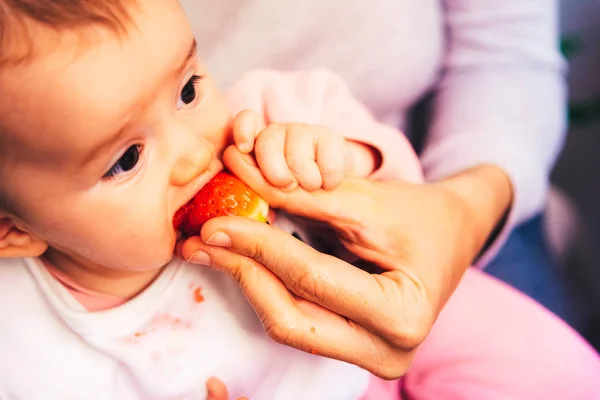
[(191, 164)]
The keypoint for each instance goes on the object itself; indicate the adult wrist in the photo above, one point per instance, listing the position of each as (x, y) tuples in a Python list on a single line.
[(486, 192)]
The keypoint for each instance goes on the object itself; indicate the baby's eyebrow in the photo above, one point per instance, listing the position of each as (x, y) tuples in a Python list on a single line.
[(96, 150), (191, 54)]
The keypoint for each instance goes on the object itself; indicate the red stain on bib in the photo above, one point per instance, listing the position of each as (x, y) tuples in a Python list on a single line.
[(198, 297)]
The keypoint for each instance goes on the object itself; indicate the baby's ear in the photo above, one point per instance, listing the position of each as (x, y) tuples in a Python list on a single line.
[(15, 242)]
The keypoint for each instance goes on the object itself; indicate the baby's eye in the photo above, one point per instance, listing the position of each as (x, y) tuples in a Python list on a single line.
[(188, 92), (127, 162)]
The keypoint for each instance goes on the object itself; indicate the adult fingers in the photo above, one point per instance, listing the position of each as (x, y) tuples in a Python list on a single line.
[(299, 323), (305, 272)]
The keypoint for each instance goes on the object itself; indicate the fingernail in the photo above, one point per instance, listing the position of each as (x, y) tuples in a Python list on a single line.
[(245, 147), (199, 257), (219, 239)]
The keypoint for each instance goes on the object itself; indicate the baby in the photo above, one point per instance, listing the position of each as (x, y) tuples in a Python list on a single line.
[(109, 123)]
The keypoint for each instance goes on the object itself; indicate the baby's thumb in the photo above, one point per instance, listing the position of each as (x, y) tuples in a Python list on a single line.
[(247, 125)]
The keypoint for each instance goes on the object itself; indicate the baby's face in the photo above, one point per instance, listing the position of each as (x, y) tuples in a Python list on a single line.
[(105, 137)]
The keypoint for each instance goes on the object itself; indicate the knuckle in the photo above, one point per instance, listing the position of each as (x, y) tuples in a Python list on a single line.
[(278, 178), (261, 144), (390, 363), (298, 128), (408, 333), (270, 136), (277, 128), (277, 329), (306, 284), (257, 250), (297, 163), (302, 284), (409, 314), (303, 131), (239, 275), (236, 274), (331, 169)]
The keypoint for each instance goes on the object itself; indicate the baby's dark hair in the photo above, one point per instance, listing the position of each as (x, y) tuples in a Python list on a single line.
[(18, 16)]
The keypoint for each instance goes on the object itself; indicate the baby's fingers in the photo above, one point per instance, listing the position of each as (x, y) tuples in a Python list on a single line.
[(269, 151), (300, 148), (247, 125), (331, 159)]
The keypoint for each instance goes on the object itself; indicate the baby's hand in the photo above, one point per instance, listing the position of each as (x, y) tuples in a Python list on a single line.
[(294, 154)]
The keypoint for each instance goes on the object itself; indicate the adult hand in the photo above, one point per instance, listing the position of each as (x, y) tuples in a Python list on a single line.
[(422, 236)]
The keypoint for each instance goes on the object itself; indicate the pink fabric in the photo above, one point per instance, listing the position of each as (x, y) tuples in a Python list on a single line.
[(380, 389), (494, 343), (89, 299), (322, 98)]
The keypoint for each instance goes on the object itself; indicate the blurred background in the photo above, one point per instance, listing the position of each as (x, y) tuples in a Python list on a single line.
[(573, 214)]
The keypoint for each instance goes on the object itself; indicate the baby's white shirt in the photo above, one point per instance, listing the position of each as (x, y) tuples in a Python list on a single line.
[(190, 324)]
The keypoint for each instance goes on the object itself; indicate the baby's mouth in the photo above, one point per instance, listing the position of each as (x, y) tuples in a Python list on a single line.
[(215, 167), (180, 214), (223, 195)]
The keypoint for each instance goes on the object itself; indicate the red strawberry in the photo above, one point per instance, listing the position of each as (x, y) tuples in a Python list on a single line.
[(224, 195)]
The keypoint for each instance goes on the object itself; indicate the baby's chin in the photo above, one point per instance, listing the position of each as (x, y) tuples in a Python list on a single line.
[(137, 265), (154, 260)]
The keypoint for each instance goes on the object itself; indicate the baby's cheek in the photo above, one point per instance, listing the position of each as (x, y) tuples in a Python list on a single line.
[(218, 132), (136, 243), (154, 246)]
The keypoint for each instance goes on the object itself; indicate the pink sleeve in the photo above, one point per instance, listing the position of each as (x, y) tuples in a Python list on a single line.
[(321, 98)]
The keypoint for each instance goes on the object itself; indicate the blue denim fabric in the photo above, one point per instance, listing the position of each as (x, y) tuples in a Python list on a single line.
[(525, 263)]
